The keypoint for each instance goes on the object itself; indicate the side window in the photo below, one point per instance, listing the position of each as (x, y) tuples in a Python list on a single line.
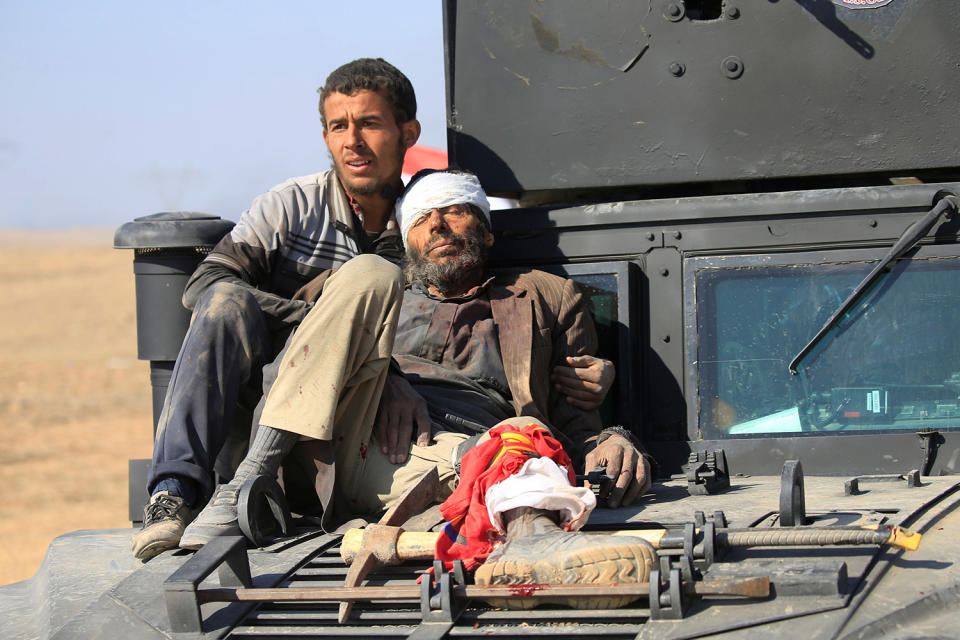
[(606, 287), (890, 364), (601, 292)]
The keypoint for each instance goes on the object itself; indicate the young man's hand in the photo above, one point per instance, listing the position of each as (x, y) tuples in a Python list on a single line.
[(622, 461), (403, 412), (585, 382)]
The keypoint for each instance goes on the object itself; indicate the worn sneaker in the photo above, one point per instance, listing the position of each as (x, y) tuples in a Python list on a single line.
[(218, 518), (538, 551), (164, 519)]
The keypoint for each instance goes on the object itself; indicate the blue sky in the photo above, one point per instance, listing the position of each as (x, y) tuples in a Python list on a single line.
[(115, 109)]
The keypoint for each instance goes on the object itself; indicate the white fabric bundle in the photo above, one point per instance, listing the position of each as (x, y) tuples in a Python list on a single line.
[(540, 484), (436, 191)]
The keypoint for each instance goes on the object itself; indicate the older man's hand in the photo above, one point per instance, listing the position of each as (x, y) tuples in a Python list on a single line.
[(622, 461), (585, 382), (402, 410)]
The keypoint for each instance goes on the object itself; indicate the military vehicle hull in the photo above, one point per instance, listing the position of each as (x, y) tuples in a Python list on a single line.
[(93, 588), (720, 178)]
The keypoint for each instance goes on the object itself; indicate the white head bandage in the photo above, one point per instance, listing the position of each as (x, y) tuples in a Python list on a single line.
[(436, 191)]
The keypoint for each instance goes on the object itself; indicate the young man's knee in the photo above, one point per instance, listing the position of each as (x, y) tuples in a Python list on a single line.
[(226, 301), (368, 268), (369, 274)]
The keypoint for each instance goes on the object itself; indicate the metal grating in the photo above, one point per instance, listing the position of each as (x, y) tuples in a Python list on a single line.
[(402, 618)]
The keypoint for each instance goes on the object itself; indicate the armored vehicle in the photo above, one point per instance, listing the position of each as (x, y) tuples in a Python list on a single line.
[(759, 198)]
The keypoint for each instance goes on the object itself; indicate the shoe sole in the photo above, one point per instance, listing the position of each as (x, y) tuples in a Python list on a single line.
[(196, 536), (154, 549), (155, 539), (621, 563)]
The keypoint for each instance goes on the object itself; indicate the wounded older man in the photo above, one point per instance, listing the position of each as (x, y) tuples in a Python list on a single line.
[(472, 356)]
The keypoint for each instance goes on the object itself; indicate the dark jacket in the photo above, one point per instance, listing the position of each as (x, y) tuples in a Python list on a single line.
[(541, 319)]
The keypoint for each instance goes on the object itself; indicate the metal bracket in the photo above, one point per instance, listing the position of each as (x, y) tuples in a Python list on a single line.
[(689, 540), (255, 494), (852, 486), (930, 442), (699, 548), (708, 549), (707, 472), (709, 544), (719, 519), (437, 602), (666, 597), (228, 554), (793, 509), (682, 561), (696, 549)]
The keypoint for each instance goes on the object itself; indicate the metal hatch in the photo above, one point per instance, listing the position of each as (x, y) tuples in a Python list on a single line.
[(555, 100)]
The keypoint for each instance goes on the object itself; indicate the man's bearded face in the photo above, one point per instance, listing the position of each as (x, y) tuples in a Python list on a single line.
[(449, 272)]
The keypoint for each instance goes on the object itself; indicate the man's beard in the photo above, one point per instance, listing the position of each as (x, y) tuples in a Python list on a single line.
[(454, 275), (368, 188), (380, 186)]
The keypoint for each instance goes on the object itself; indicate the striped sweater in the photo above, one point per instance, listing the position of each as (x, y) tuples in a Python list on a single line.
[(295, 234)]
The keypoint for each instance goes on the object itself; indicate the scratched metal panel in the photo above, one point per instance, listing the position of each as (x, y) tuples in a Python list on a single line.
[(570, 94)]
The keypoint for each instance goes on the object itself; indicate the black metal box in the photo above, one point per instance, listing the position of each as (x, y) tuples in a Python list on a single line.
[(610, 94)]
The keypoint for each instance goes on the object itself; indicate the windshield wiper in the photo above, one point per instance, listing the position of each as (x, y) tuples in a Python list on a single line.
[(947, 205)]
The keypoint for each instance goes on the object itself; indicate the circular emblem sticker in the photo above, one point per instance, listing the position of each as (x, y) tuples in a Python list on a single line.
[(861, 4)]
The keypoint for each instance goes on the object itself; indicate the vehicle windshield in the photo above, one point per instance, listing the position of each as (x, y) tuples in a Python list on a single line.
[(893, 363)]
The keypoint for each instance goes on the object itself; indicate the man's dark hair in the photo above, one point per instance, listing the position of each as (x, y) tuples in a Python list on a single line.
[(372, 74)]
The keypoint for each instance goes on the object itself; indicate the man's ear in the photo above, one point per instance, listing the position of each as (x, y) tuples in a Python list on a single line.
[(410, 132), (488, 238)]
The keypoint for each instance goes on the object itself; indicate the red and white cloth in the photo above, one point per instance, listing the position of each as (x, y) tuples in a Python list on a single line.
[(519, 466)]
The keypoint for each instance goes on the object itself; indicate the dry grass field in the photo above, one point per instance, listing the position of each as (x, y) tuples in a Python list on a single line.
[(74, 400)]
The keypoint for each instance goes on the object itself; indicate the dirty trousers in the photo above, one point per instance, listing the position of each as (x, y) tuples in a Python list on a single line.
[(383, 482), (230, 358), (328, 387), (215, 386), (331, 374)]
